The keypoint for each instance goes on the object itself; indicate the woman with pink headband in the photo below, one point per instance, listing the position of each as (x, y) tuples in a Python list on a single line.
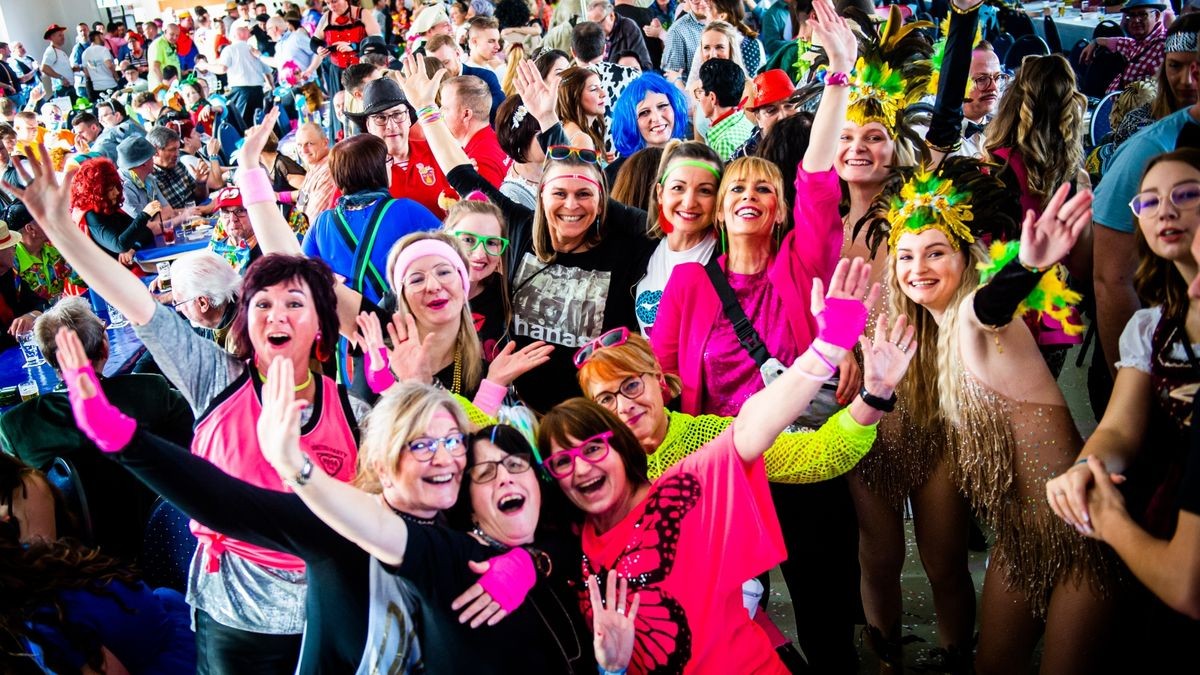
[(433, 330), (573, 261)]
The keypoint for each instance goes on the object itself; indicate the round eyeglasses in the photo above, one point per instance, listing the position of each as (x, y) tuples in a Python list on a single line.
[(424, 448), (631, 388)]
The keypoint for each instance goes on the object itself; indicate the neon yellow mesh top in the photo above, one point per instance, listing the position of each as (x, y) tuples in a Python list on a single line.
[(795, 457)]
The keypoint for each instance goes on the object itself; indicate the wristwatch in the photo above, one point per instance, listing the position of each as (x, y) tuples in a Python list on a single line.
[(880, 404), (303, 475)]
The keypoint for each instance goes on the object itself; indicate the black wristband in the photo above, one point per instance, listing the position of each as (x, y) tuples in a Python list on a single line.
[(881, 404), (996, 302)]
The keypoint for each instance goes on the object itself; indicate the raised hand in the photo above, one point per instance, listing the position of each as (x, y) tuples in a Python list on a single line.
[(419, 88), (538, 98), (510, 364), (409, 359), (842, 312), (370, 340), (886, 359), (47, 198), (835, 36), (613, 622), (1049, 238), (256, 139), (279, 420), (106, 426)]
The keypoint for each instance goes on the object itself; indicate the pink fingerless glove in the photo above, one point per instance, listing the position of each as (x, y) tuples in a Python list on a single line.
[(379, 379), (509, 578), (842, 322), (109, 428)]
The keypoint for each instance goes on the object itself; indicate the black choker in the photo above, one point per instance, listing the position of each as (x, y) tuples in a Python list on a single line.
[(409, 518)]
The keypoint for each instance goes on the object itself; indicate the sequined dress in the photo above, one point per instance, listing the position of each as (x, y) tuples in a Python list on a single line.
[(1003, 453)]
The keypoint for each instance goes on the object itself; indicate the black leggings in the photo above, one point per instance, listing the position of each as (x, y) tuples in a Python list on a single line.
[(221, 650)]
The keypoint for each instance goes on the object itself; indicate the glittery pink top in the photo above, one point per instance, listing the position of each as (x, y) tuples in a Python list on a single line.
[(730, 375)]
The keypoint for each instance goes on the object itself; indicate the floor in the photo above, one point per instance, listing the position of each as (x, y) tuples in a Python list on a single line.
[(918, 618)]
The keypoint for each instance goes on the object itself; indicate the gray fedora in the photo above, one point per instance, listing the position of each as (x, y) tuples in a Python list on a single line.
[(133, 151)]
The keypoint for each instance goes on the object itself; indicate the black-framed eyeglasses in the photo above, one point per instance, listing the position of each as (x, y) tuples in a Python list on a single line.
[(485, 472), (237, 212), (998, 79), (400, 118), (631, 388), (561, 152), (424, 448), (493, 246), (1185, 196)]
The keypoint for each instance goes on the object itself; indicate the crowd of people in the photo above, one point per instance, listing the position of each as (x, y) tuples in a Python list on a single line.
[(531, 336)]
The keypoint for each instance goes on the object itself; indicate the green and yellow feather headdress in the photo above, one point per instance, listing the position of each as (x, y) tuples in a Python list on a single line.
[(956, 197), (892, 72)]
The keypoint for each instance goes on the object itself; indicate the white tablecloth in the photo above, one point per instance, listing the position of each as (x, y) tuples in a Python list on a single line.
[(1071, 28)]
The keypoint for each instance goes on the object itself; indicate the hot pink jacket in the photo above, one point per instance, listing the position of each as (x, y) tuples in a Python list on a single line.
[(690, 306)]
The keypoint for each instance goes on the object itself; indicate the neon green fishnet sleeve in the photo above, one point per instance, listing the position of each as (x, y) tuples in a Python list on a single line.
[(814, 456), (796, 457), (474, 414)]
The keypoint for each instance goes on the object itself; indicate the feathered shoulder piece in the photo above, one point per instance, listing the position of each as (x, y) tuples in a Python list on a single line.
[(958, 197), (892, 72), (1051, 296)]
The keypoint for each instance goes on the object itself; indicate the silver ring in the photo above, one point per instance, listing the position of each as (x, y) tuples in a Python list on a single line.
[(621, 611)]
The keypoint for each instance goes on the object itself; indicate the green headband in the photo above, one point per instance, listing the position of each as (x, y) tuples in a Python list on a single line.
[(691, 162)]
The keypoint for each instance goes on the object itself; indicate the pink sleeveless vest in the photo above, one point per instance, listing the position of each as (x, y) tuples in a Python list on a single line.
[(226, 436)]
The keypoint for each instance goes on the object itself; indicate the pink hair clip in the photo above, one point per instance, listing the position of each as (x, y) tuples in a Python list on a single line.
[(477, 196)]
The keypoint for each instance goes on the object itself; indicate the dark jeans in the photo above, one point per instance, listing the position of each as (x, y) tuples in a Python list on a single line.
[(221, 650), (245, 101)]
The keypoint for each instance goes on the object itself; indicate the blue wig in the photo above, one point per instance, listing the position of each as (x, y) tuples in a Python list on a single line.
[(626, 136)]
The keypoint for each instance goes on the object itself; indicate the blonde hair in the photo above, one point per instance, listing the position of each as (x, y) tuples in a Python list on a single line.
[(466, 340), (466, 207), (932, 387), (735, 47), (635, 357), (750, 168), (399, 416), (1041, 115), (516, 54), (570, 105)]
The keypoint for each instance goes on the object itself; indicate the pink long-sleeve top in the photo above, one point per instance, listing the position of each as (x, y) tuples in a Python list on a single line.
[(692, 336)]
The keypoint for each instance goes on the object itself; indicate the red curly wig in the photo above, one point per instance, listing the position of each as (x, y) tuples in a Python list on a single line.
[(89, 191)]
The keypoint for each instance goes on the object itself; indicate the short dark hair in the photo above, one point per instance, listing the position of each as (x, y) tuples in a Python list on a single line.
[(725, 79), (579, 418), (116, 107), (481, 23), (514, 139), (276, 268), (354, 76), (587, 41), (84, 118), (627, 53), (359, 163), (170, 72), (92, 36)]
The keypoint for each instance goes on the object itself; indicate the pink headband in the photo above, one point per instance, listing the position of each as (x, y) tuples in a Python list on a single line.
[(435, 247), (580, 176)]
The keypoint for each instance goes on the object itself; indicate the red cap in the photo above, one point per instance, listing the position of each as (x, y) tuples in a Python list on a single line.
[(228, 197), (54, 28), (770, 86)]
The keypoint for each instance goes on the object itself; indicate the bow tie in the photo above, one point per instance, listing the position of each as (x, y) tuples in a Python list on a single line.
[(971, 129)]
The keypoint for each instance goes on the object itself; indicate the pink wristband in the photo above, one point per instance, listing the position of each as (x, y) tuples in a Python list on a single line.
[(107, 427), (842, 322), (256, 186), (379, 379), (509, 578), (285, 198), (489, 397)]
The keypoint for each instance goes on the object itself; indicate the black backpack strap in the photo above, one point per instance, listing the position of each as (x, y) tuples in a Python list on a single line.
[(746, 334)]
